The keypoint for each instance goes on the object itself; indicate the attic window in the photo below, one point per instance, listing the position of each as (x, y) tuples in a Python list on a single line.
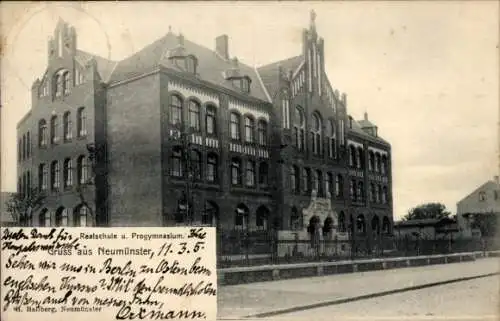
[(191, 63), (242, 83), (482, 196)]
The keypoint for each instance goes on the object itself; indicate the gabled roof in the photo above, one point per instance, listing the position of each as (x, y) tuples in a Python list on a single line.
[(211, 66), (489, 185), (104, 66), (270, 73)]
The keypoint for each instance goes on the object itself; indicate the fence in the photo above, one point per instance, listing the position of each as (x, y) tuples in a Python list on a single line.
[(247, 248)]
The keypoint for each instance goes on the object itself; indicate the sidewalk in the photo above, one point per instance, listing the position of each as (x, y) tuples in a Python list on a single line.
[(264, 297)]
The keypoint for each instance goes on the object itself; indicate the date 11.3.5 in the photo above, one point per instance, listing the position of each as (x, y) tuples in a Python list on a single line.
[(180, 248)]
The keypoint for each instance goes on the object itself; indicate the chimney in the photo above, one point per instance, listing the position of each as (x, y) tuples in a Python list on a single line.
[(222, 46), (366, 115), (495, 178)]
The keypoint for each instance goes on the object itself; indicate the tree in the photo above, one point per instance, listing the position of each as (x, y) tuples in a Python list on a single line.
[(427, 211), (21, 206)]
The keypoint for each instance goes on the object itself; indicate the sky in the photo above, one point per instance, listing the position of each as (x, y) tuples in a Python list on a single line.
[(425, 72)]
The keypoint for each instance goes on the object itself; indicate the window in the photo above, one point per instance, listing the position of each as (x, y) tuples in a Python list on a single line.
[(42, 133), (249, 128), (68, 128), (55, 177), (352, 156), (360, 192), (339, 186), (245, 85), (44, 218), (83, 169), (263, 174), (20, 150), (43, 175), (54, 130), (175, 110), (62, 217), (332, 141), (371, 161), (68, 172), (67, 82), (28, 144), (262, 132), (352, 190), (176, 162), (295, 220), (212, 168), (359, 158), (241, 217), (329, 184), (294, 179), (315, 181), (59, 85), (306, 180), (191, 65), (495, 194), (377, 194), (235, 126), (316, 134), (377, 162), (250, 173), (210, 120), (196, 164), (372, 193), (80, 217), (299, 137), (385, 195), (285, 110), (261, 218), (235, 171), (81, 122), (383, 165), (194, 115), (210, 214), (482, 196)]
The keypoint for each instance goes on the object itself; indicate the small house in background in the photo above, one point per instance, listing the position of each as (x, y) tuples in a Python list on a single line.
[(482, 203), (427, 229), (7, 218)]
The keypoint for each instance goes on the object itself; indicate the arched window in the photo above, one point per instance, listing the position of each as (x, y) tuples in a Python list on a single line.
[(196, 164), (371, 161), (42, 133), (235, 126), (372, 193), (361, 191), (377, 162), (61, 217), (250, 173), (194, 115), (262, 132), (352, 190), (249, 129), (236, 171), (176, 162), (315, 181), (175, 110), (83, 169), (43, 174), (68, 172), (359, 158), (23, 153), (54, 126), (383, 166), (262, 217), (241, 217), (332, 141), (263, 174), (294, 179), (295, 220), (44, 218), (352, 156), (211, 120), (68, 126), (306, 180), (212, 167), (386, 225), (55, 177), (28, 144), (316, 135), (339, 186), (377, 194), (342, 225), (80, 216), (375, 225), (59, 84), (299, 128), (329, 184), (381, 194), (210, 214), (361, 225), (385, 195), (67, 82), (81, 122)]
